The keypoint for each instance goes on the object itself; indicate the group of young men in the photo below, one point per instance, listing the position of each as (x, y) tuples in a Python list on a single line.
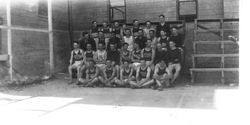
[(128, 57)]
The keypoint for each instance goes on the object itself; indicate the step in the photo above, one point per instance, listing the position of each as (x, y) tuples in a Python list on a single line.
[(214, 42), (213, 69), (215, 55), (4, 57)]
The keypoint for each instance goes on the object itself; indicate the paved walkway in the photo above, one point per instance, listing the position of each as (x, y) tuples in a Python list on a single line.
[(57, 102)]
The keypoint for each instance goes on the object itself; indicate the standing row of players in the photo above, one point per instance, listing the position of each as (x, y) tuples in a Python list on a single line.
[(148, 67)]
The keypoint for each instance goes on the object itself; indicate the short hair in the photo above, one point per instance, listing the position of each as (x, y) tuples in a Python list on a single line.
[(148, 21), (174, 27), (124, 44), (88, 43), (127, 29), (84, 33), (152, 31), (76, 42), (125, 61), (135, 20), (164, 31), (93, 22), (162, 15), (140, 30)]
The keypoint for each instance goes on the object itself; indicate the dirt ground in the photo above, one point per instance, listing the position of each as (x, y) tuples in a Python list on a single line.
[(59, 102)]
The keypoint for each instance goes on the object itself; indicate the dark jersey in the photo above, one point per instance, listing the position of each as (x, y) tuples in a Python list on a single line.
[(137, 55), (105, 30), (147, 54), (94, 30), (126, 55), (161, 71), (109, 72), (126, 72), (135, 29), (89, 55), (91, 72), (143, 73), (117, 30)]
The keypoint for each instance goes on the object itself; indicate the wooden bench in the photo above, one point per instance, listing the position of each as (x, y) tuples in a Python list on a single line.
[(221, 70)]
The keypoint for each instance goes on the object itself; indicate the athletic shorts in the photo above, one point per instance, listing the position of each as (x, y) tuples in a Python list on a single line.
[(101, 66), (76, 64), (176, 66)]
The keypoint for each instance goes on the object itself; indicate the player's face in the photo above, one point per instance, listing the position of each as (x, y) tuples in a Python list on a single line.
[(143, 63), (109, 63), (91, 64), (104, 24), (148, 43), (163, 33), (140, 33), (116, 24), (112, 46), (136, 23), (148, 24), (136, 46), (125, 46), (162, 63), (126, 64), (171, 44), (127, 32), (161, 19), (94, 24), (174, 31), (159, 46), (76, 46), (89, 47), (124, 26), (151, 33), (100, 46)]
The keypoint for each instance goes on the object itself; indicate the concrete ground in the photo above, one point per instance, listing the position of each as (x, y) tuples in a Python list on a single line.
[(57, 102)]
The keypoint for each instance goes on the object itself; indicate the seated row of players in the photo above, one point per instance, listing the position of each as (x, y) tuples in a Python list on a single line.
[(126, 67)]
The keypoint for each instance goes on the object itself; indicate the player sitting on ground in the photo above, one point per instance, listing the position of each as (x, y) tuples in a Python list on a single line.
[(92, 73), (161, 75), (76, 60), (108, 74), (125, 75), (142, 76)]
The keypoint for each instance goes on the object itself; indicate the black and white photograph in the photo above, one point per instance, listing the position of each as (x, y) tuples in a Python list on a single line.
[(123, 62)]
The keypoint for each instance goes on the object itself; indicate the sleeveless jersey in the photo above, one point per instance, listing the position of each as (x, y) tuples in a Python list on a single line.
[(126, 73), (143, 73), (89, 55), (129, 41), (109, 72), (117, 30), (147, 54), (91, 73), (105, 29), (161, 71), (136, 29), (94, 29), (125, 54), (137, 54), (77, 56)]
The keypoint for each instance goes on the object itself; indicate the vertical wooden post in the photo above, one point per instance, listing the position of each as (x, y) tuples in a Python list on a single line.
[(50, 28), (9, 40)]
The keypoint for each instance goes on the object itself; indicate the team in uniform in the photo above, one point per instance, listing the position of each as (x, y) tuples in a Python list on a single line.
[(123, 57)]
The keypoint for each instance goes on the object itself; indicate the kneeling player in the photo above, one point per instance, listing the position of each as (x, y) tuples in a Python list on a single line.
[(91, 75), (125, 74), (161, 75), (108, 76), (142, 76)]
